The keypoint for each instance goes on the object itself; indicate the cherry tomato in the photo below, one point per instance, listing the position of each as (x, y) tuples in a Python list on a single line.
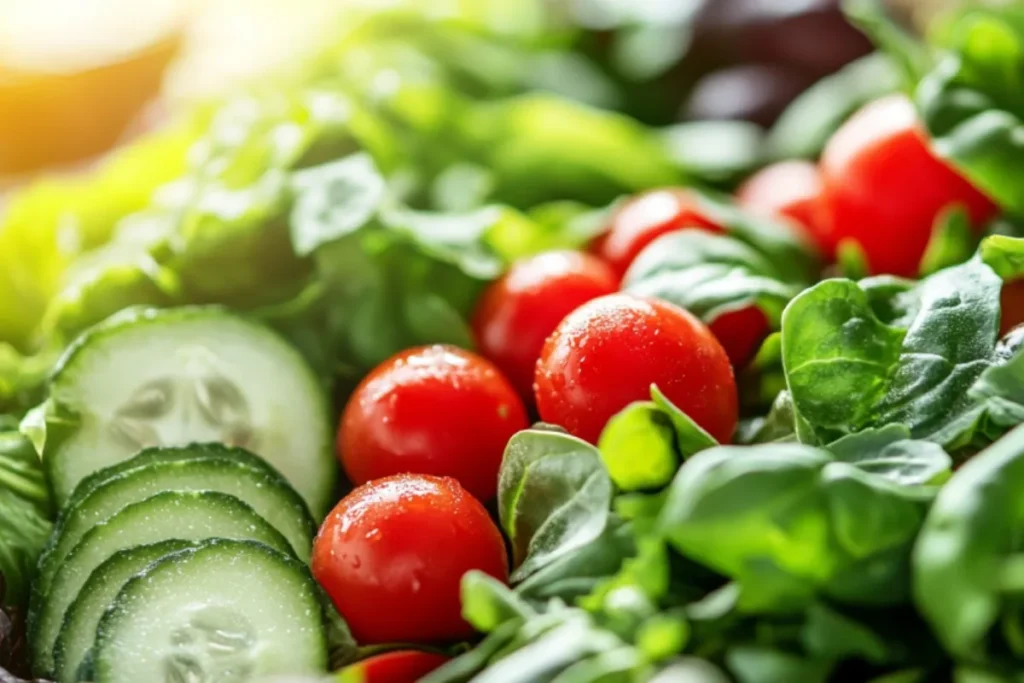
[(883, 187), (607, 354), (740, 333), (1011, 301), (431, 410), (392, 553), (401, 666), (518, 312), (789, 189), (646, 217)]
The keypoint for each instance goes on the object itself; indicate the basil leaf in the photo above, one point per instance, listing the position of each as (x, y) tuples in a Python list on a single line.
[(891, 453)]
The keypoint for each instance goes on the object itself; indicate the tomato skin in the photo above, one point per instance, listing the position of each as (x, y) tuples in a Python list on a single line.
[(401, 666), (884, 188), (740, 333), (607, 353), (787, 189), (518, 312), (392, 553), (431, 410), (646, 217)]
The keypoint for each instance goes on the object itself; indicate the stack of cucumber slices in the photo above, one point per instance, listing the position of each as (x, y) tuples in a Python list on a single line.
[(180, 554)]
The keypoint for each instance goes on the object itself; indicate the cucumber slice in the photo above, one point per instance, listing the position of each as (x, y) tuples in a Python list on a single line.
[(184, 515), (78, 632), (229, 612), (183, 375), (209, 467)]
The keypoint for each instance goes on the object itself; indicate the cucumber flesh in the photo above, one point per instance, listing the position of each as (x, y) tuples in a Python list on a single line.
[(78, 632), (230, 612), (188, 516), (214, 468), (185, 375)]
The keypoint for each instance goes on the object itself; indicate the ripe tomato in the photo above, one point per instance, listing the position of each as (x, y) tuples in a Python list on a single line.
[(1011, 301), (431, 410), (883, 187), (518, 312), (740, 333), (400, 666), (646, 217), (392, 553), (607, 353), (790, 189)]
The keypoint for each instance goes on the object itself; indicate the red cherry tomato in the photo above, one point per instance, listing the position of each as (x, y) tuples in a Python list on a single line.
[(740, 333), (401, 666), (392, 553), (607, 354), (883, 187), (645, 218), (790, 189), (1012, 303), (518, 312), (431, 410)]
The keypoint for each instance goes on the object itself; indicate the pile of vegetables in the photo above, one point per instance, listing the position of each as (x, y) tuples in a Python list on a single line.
[(775, 431)]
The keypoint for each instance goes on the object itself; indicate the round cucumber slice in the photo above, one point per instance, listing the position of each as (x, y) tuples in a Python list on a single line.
[(230, 612), (78, 632), (173, 377), (207, 467), (184, 515)]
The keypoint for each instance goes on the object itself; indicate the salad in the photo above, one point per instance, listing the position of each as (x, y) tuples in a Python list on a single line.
[(410, 369)]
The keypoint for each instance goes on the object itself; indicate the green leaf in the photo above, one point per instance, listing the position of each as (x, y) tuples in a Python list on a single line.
[(691, 670), (334, 200), (716, 151), (848, 370), (890, 452), (690, 436), (758, 664), (851, 261), (971, 101), (829, 635), (965, 561), (487, 603), (554, 497), (1004, 254), (25, 508), (709, 274), (953, 241), (905, 51), (638, 447)]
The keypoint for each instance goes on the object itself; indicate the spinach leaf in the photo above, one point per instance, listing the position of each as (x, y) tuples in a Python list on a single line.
[(972, 104), (967, 561), (891, 453), (786, 521), (953, 241), (847, 369), (554, 497), (642, 445), (709, 275)]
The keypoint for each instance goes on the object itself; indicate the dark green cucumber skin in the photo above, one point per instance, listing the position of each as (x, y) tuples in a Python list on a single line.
[(100, 665), (158, 457), (138, 558), (137, 316), (41, 667)]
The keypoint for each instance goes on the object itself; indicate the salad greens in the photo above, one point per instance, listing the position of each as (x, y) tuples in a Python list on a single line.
[(865, 525)]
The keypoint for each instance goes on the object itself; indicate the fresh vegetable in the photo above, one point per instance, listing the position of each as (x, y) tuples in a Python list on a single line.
[(789, 189), (882, 146), (402, 666), (377, 557), (433, 410), (226, 608), (519, 311), (184, 375), (26, 510), (186, 515), (609, 351), (644, 218)]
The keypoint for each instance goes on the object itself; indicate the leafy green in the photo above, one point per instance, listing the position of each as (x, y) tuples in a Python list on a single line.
[(25, 508), (967, 561), (971, 100), (848, 369)]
